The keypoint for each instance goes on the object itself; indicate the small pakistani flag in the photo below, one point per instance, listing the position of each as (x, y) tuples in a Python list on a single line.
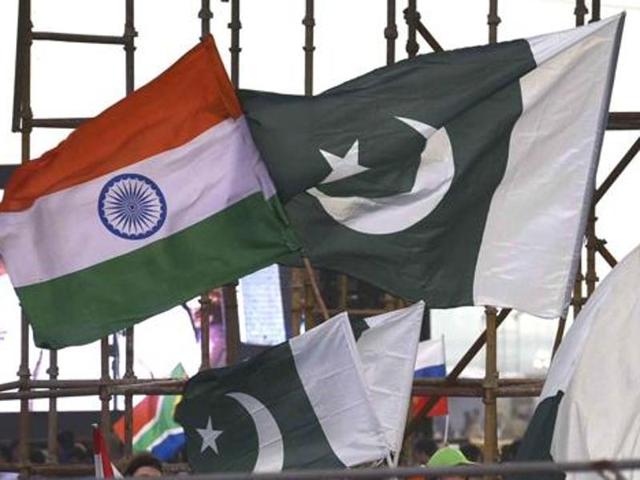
[(460, 178), (387, 345), (588, 408), (302, 404)]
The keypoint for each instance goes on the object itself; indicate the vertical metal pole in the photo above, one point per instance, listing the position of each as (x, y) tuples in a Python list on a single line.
[(231, 328), (205, 315), (595, 10), (52, 427), (235, 49), (562, 322), (412, 16), (24, 375), (490, 385), (205, 17), (297, 302), (128, 398), (577, 299), (580, 12), (18, 80), (105, 417), (309, 23), (129, 46), (27, 117), (343, 285), (591, 276), (129, 34), (493, 20), (391, 32)]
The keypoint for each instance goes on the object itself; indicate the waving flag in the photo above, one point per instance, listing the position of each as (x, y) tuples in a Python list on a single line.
[(387, 346), (157, 199), (458, 178), (154, 429), (299, 405), (430, 363), (588, 408)]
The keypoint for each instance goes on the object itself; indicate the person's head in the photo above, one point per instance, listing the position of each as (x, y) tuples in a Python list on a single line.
[(423, 448), (449, 457), (143, 465), (472, 452)]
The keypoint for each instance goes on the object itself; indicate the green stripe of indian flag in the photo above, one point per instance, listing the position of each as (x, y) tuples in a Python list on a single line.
[(116, 294), (62, 232)]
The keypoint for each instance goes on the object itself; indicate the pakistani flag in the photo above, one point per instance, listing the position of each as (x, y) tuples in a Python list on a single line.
[(301, 404), (158, 198), (588, 408), (460, 178), (387, 345)]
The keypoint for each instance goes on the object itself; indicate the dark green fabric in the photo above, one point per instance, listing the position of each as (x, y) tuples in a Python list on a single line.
[(358, 327), (272, 379), (536, 443), (474, 93)]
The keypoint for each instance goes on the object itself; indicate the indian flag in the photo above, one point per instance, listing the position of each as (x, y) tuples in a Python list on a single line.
[(158, 198)]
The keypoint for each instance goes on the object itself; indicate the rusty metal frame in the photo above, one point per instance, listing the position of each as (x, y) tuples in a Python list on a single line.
[(304, 302)]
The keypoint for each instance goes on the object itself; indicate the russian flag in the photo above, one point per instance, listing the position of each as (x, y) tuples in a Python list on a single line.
[(430, 363)]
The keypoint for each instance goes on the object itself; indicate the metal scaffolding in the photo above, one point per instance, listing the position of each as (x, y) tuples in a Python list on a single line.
[(305, 298)]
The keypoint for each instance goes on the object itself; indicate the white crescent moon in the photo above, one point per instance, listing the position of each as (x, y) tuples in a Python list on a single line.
[(270, 446), (383, 215)]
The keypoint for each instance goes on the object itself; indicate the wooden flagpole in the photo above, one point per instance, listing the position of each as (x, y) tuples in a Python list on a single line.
[(314, 286)]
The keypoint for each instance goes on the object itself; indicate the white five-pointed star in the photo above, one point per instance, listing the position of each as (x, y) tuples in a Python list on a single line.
[(343, 167), (209, 436)]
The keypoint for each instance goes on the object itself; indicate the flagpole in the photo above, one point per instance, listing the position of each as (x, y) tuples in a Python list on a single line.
[(489, 385), (446, 430), (314, 286)]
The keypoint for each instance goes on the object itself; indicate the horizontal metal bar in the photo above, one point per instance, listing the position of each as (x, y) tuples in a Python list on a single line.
[(57, 122), (77, 383), (474, 382), (617, 120), (79, 38), (465, 471), (465, 387), (75, 470), (624, 121), (475, 388)]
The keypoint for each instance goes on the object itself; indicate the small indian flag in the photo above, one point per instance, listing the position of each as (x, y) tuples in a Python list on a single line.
[(158, 198)]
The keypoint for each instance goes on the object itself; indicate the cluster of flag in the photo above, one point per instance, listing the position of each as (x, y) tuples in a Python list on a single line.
[(335, 396), (454, 178), (457, 178)]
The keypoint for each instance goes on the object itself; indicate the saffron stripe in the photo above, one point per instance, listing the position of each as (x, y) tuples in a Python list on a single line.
[(187, 99)]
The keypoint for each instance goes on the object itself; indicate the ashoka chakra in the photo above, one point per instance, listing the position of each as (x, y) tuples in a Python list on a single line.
[(132, 206)]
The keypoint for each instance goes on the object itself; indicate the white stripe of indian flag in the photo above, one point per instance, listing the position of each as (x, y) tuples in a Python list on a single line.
[(208, 174)]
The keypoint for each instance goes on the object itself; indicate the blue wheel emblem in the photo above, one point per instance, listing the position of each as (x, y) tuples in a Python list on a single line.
[(132, 206)]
